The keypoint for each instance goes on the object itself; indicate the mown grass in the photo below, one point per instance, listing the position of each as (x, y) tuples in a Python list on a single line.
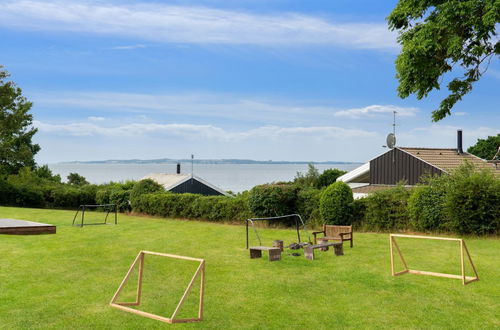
[(67, 280)]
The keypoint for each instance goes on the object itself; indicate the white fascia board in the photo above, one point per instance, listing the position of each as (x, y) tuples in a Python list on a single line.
[(357, 172)]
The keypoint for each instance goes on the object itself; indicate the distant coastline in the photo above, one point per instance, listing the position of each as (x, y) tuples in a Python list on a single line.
[(200, 161)]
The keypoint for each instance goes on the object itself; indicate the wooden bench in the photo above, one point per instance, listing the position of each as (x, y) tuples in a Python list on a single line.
[(309, 250), (274, 252), (334, 233)]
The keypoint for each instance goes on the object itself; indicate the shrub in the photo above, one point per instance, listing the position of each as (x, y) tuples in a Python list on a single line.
[(308, 205), (328, 177), (65, 197), (426, 208), (212, 208), (273, 200), (358, 212), (387, 209), (144, 187), (472, 201), (335, 204), (121, 198)]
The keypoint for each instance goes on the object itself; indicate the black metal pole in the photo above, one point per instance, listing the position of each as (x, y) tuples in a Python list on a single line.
[(83, 214), (116, 219), (246, 221), (297, 227)]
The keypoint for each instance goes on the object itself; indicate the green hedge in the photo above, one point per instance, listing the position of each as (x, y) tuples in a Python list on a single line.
[(426, 209), (387, 210), (193, 206), (335, 204), (308, 205), (271, 200)]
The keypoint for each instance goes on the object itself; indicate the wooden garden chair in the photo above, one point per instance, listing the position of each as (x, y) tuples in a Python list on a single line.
[(334, 233)]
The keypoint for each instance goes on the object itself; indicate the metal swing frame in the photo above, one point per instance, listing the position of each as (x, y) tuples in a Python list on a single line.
[(298, 223)]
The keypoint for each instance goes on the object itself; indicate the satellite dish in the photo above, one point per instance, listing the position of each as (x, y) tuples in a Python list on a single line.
[(391, 140)]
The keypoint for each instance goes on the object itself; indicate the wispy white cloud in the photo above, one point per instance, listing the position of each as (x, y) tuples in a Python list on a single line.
[(196, 132), (92, 118), (188, 24), (214, 105), (128, 47), (376, 110)]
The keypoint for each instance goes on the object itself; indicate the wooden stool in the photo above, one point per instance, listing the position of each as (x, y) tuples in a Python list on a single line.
[(279, 244), (323, 241), (274, 252), (338, 249)]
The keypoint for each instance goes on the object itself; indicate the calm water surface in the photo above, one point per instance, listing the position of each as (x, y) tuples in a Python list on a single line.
[(234, 177)]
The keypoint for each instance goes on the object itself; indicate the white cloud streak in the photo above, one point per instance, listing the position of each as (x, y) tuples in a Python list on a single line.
[(196, 132), (192, 25), (209, 105), (376, 110)]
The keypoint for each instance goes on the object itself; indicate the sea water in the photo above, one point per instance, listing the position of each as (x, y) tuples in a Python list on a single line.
[(233, 177)]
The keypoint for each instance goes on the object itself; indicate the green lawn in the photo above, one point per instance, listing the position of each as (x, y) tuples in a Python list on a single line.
[(67, 280)]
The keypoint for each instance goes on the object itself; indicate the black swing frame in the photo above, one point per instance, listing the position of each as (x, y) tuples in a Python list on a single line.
[(110, 208), (298, 222)]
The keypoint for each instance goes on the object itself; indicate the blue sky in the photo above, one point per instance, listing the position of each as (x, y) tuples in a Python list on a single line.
[(274, 79)]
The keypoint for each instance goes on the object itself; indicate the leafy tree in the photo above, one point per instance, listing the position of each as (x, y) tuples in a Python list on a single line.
[(16, 131), (436, 35), (329, 176), (76, 179), (44, 172), (309, 179), (486, 148)]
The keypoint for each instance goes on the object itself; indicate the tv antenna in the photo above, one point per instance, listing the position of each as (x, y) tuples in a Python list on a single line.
[(391, 137)]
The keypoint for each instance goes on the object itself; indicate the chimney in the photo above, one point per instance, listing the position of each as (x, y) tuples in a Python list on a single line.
[(459, 142), (178, 168)]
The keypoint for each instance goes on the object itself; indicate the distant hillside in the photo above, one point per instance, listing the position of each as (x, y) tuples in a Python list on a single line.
[(197, 161)]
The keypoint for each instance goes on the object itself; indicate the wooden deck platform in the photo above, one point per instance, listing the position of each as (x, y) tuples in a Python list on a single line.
[(22, 227)]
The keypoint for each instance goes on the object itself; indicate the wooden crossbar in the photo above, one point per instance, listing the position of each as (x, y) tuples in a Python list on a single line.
[(200, 273), (463, 251)]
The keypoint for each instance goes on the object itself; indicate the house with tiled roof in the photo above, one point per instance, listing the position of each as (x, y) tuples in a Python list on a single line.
[(403, 164)]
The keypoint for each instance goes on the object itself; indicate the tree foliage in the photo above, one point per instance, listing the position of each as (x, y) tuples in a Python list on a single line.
[(76, 179), (438, 35), (486, 148), (16, 131), (329, 176), (309, 179)]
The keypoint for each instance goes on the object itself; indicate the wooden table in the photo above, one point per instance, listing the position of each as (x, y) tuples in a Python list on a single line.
[(274, 252), (309, 250)]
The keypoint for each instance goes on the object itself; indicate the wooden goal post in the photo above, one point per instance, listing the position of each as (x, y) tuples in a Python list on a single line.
[(463, 250), (200, 272)]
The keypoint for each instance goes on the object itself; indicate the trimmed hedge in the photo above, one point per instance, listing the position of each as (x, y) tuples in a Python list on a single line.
[(426, 209), (271, 200), (335, 205), (193, 206), (387, 210)]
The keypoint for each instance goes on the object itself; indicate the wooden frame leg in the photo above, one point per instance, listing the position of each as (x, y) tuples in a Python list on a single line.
[(200, 273)]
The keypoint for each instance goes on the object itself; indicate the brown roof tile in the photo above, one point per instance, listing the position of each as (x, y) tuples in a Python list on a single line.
[(448, 159), (368, 189)]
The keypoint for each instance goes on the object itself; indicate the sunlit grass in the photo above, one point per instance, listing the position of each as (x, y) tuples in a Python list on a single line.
[(66, 280)]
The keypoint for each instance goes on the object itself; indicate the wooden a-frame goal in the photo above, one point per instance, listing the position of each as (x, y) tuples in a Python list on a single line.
[(200, 272), (463, 248)]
